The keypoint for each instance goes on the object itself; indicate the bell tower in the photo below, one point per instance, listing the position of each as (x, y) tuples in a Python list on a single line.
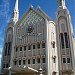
[(8, 41), (65, 38)]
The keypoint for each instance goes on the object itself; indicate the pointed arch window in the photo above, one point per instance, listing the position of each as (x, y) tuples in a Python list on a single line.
[(62, 40), (9, 44), (5, 49), (9, 37), (9, 47), (66, 40)]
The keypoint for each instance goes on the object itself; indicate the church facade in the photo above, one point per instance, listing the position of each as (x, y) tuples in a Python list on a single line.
[(36, 45)]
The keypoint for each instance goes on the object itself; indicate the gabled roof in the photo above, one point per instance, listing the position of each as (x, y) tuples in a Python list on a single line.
[(36, 11)]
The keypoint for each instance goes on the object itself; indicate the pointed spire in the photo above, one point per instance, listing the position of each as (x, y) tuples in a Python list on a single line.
[(15, 14), (16, 6)]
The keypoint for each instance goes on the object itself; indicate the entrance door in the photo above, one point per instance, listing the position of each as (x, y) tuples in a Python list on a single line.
[(26, 74)]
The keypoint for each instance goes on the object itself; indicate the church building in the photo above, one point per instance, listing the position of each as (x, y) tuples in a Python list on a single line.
[(37, 45)]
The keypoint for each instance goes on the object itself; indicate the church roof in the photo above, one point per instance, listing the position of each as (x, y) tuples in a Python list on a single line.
[(39, 11)]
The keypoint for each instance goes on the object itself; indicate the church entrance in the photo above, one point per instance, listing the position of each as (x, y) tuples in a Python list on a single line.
[(23, 71), (66, 74), (23, 74)]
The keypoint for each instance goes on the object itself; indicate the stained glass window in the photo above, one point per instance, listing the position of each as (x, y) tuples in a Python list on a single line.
[(29, 29)]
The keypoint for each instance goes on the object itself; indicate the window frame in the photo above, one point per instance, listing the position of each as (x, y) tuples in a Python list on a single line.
[(43, 45), (29, 47), (24, 62), (64, 60), (15, 62), (62, 41), (7, 65), (28, 61), (43, 60), (38, 60), (16, 49), (38, 46), (4, 65), (33, 61), (66, 40), (19, 62), (69, 60), (20, 48), (25, 48), (34, 47)]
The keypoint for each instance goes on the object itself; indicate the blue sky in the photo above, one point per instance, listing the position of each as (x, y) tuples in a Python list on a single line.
[(48, 6)]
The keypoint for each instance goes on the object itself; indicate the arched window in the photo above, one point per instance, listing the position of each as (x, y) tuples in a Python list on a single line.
[(9, 44), (9, 47), (62, 40), (9, 38), (66, 40), (5, 49)]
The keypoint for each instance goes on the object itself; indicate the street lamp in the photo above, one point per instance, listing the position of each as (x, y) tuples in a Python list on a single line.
[(40, 71)]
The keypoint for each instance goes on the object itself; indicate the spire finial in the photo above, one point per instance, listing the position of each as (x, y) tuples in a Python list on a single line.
[(16, 5), (15, 14)]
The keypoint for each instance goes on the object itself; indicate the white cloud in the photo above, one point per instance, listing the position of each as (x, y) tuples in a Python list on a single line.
[(0, 55)]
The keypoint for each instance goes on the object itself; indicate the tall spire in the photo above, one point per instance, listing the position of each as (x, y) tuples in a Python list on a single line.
[(61, 3), (16, 6), (15, 14)]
